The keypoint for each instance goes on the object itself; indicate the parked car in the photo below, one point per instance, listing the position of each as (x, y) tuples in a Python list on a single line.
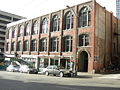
[(42, 70), (28, 69), (13, 68), (55, 70)]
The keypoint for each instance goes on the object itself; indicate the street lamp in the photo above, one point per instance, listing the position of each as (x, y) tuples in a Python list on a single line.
[(76, 32)]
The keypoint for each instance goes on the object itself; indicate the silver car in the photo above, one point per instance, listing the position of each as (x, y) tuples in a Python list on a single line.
[(55, 70), (13, 68), (28, 69)]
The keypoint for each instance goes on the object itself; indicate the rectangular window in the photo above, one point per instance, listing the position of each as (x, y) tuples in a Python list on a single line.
[(7, 47), (67, 46), (65, 63), (2, 27), (43, 45), (54, 44), (54, 62), (4, 16), (45, 62)]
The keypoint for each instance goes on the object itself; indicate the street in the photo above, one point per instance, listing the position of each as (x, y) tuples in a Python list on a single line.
[(22, 81)]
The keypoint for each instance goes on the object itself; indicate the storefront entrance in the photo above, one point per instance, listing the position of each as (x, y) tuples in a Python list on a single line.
[(83, 62)]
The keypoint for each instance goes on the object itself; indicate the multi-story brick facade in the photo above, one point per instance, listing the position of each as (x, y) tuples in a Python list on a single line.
[(84, 36)]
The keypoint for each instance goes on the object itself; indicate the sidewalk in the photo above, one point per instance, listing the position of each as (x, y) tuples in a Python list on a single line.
[(111, 76), (90, 75)]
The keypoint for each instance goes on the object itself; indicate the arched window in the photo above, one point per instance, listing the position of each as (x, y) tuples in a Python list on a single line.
[(43, 45), (69, 20), (27, 29), (20, 29), (19, 46), (34, 45), (54, 43), (84, 17), (13, 46), (83, 40), (44, 25), (55, 23), (26, 45), (35, 28), (67, 44)]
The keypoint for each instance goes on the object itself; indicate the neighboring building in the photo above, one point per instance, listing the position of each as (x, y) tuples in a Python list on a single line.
[(118, 9), (86, 38), (6, 18)]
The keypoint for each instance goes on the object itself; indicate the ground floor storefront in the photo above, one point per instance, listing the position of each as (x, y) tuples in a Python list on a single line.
[(82, 62), (43, 61)]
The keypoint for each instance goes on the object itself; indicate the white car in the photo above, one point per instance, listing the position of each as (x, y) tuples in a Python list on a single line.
[(27, 69), (42, 70), (13, 68)]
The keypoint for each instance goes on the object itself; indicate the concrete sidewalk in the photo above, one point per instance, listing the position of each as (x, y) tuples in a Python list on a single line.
[(90, 75), (112, 76)]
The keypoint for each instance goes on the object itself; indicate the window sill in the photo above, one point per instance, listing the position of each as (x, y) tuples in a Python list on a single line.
[(54, 31), (84, 27), (54, 52), (67, 52), (68, 29), (42, 51), (84, 46)]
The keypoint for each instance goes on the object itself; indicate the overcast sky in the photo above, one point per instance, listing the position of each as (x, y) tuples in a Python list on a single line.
[(34, 8)]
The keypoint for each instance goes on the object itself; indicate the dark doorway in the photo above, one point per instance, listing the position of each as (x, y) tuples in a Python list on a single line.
[(83, 62)]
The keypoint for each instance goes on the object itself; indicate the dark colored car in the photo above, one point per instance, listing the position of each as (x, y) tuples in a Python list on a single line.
[(55, 70)]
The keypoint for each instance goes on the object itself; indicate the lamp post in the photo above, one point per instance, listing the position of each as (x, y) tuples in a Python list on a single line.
[(75, 33)]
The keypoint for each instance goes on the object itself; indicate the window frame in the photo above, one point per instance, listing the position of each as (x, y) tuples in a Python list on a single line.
[(13, 46), (84, 40), (54, 44), (7, 46), (27, 29), (19, 46), (44, 28), (43, 45), (26, 45), (69, 20), (55, 23), (84, 17), (20, 30), (67, 44), (34, 45), (35, 27)]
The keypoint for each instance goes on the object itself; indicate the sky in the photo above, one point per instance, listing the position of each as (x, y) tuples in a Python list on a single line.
[(34, 8)]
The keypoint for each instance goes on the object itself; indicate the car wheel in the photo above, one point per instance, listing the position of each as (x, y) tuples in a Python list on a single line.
[(61, 74), (46, 73)]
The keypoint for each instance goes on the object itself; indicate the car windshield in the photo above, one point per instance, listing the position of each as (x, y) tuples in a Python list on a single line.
[(30, 66), (16, 66), (55, 67)]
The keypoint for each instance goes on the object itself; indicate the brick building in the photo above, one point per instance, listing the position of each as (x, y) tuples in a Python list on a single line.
[(83, 37)]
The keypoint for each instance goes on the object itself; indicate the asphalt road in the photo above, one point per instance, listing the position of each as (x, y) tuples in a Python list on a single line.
[(21, 81)]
